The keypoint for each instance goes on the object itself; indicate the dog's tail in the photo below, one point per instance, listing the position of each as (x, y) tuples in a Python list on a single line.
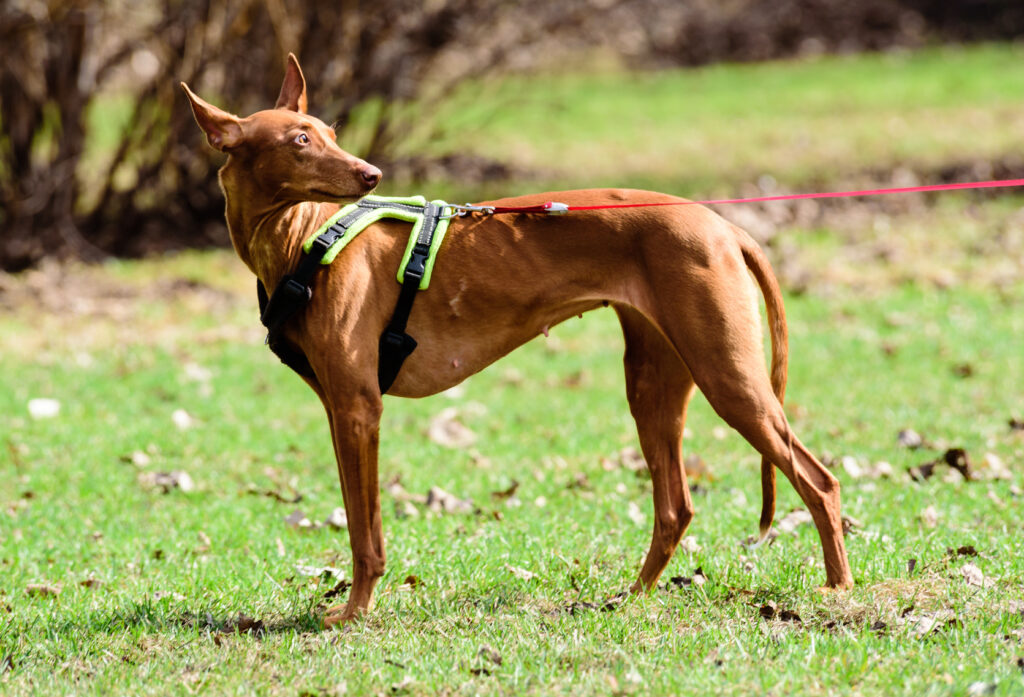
[(762, 271)]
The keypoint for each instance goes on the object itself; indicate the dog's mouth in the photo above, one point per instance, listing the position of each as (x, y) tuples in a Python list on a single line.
[(321, 195)]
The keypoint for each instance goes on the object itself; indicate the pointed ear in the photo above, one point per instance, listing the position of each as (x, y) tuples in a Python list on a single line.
[(293, 89), (223, 130)]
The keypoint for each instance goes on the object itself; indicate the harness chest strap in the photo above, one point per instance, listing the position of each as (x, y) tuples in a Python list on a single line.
[(294, 291)]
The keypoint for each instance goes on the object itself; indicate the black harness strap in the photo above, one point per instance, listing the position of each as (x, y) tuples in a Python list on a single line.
[(294, 292), (395, 345)]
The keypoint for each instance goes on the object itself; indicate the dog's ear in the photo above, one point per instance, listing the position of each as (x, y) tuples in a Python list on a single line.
[(223, 130), (293, 89)]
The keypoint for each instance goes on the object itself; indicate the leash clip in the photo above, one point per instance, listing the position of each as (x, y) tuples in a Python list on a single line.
[(467, 208)]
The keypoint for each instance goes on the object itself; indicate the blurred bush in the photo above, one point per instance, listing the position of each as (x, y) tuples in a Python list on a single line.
[(99, 155)]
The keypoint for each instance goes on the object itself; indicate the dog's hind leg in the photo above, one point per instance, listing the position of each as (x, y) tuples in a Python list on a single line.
[(715, 328), (355, 430), (658, 387)]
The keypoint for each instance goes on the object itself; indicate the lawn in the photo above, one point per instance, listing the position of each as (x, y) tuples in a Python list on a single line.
[(119, 574)]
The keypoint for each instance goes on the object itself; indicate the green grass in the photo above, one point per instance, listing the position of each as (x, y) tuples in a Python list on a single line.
[(904, 319), (711, 129), (861, 370)]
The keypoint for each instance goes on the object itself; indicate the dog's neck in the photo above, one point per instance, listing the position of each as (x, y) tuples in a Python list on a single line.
[(267, 234)]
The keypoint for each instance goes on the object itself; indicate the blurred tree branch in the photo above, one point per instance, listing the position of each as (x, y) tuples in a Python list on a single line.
[(67, 65)]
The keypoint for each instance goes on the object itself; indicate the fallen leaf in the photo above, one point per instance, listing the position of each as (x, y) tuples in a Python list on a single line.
[(958, 460), (506, 493), (90, 583), (204, 543), (909, 438), (1016, 424), (137, 458), (43, 590), (521, 574), (911, 565), (339, 589), (299, 520), (994, 468), (338, 519), (160, 595), (445, 429), (690, 544), (696, 468), (324, 571), (634, 513), (973, 576), (962, 551), (579, 481), (440, 501), (167, 481), (247, 625), (182, 419), (792, 520), (789, 616), (963, 370), (921, 472), (43, 408), (628, 458), (930, 517), (490, 654), (411, 583), (878, 627)]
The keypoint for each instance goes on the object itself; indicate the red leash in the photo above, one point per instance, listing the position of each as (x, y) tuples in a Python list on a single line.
[(554, 207)]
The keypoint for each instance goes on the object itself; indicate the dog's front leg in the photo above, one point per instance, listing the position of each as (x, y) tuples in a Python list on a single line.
[(355, 428)]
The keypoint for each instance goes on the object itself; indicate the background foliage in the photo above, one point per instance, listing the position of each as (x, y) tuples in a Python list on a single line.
[(99, 156)]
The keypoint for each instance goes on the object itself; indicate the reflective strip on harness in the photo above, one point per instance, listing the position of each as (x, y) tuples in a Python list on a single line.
[(293, 293), (356, 217)]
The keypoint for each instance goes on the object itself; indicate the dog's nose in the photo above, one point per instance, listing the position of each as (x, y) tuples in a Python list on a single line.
[(371, 175)]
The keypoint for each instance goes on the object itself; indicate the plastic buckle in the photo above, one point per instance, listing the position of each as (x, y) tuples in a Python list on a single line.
[(295, 290), (417, 265)]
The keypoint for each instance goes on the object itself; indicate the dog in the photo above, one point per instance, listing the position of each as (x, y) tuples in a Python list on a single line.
[(679, 277)]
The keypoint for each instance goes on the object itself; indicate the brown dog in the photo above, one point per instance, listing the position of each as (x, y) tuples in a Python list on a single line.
[(678, 277)]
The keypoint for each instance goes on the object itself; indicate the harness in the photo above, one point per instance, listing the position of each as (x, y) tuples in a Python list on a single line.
[(294, 291)]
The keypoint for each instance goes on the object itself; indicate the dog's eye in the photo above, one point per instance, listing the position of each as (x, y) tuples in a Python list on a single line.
[(302, 139)]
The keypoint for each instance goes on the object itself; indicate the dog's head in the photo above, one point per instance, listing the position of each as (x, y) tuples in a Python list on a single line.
[(284, 151)]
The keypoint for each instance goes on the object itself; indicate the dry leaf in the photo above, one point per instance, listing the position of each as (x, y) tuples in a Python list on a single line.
[(167, 481), (182, 419), (445, 429), (91, 583), (43, 590), (338, 519), (440, 501), (909, 438), (994, 467), (690, 544), (326, 571), (43, 408), (930, 517), (793, 520), (506, 493), (634, 513), (299, 520), (974, 577), (490, 654), (696, 468), (958, 460), (522, 574)]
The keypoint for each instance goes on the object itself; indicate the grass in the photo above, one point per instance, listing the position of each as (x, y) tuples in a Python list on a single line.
[(705, 131), (906, 319)]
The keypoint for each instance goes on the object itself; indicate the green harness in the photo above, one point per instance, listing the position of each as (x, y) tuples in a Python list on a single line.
[(429, 225)]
